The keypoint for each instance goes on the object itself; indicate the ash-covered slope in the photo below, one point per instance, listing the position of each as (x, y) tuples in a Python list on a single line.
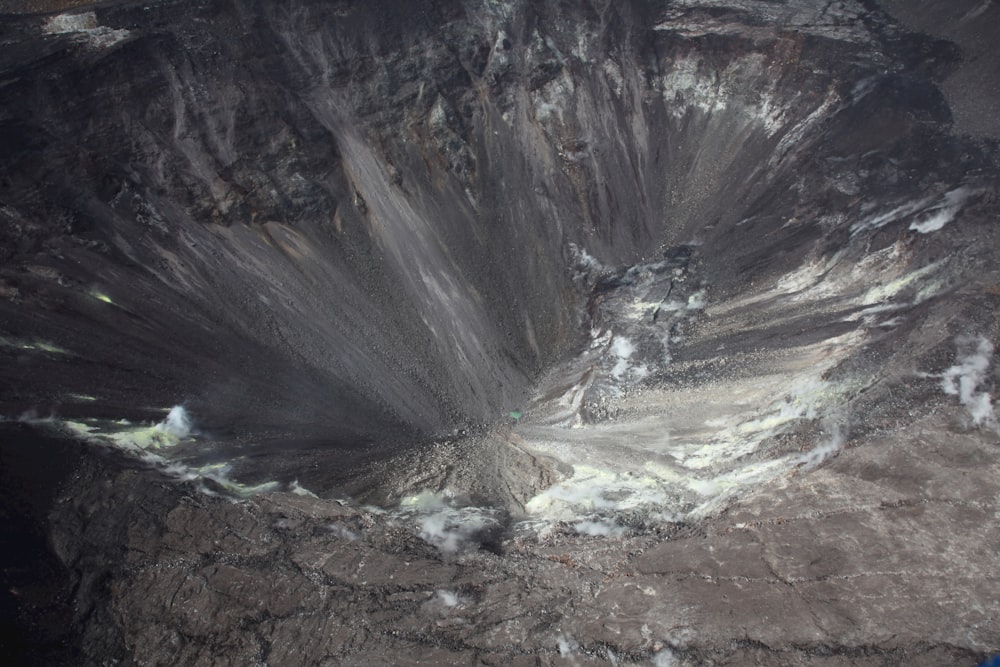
[(694, 249), (359, 219)]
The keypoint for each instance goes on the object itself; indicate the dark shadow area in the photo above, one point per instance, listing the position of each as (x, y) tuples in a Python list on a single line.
[(36, 611)]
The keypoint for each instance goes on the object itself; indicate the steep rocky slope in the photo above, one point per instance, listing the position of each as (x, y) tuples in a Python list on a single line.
[(658, 332)]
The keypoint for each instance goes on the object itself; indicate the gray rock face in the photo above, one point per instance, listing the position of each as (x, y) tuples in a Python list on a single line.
[(971, 85), (652, 332), (403, 184)]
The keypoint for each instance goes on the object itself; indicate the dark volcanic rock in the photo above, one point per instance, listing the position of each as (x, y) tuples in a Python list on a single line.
[(868, 572), (658, 332)]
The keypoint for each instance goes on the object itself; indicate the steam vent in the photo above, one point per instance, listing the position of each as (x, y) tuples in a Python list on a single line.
[(499, 332)]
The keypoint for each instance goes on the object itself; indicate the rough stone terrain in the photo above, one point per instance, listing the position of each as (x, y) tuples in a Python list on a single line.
[(885, 556), (512, 333)]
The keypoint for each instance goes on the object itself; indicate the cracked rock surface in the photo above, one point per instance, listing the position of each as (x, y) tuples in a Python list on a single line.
[(877, 558)]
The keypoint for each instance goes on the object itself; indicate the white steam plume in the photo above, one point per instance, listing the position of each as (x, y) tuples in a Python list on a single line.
[(836, 436), (178, 423), (966, 377)]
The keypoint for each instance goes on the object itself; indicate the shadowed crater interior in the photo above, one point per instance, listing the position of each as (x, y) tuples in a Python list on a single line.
[(570, 293)]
